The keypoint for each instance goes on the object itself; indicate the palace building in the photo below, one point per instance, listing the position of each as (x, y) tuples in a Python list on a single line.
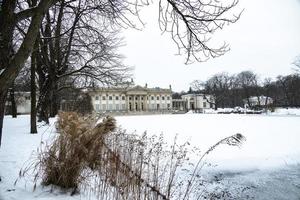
[(193, 101), (131, 99)]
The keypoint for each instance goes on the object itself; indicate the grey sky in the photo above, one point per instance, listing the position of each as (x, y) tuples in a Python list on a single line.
[(266, 40)]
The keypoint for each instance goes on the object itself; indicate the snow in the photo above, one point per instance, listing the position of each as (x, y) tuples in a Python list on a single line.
[(267, 166), (17, 148), (286, 111), (272, 141)]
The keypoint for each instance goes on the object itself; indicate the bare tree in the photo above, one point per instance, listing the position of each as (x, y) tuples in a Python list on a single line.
[(297, 64), (219, 86), (12, 60), (86, 52), (191, 24), (289, 85), (13, 106), (33, 110), (248, 82)]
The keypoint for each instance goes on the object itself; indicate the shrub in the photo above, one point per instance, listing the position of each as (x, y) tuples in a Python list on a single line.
[(77, 147)]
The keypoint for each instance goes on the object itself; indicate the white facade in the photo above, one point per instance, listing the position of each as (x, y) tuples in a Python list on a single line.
[(135, 98), (198, 101), (258, 101)]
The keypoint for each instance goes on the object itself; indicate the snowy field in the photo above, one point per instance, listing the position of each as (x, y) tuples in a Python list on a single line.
[(267, 166), (272, 141)]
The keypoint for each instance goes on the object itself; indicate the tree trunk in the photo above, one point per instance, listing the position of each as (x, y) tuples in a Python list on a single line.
[(2, 110), (13, 102), (53, 99), (33, 128), (43, 106)]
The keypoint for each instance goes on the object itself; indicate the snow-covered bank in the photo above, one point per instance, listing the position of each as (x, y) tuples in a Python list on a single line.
[(17, 147), (286, 111), (240, 110)]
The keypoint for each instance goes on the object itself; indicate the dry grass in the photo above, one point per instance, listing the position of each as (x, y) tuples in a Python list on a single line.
[(101, 159), (77, 147)]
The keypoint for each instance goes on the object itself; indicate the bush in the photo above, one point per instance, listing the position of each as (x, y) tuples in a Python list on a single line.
[(77, 147)]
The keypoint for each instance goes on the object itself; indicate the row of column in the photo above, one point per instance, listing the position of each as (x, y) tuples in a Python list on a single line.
[(137, 105)]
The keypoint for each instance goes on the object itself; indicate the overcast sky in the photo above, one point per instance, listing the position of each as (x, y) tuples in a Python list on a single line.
[(266, 40)]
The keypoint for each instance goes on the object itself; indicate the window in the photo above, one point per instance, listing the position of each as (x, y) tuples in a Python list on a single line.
[(152, 98), (168, 97), (142, 98), (103, 97), (117, 107), (27, 98), (117, 97), (110, 107), (97, 97), (97, 107), (163, 98), (129, 98), (136, 98), (123, 97), (157, 98), (103, 106), (168, 106), (204, 104), (110, 97), (123, 106)]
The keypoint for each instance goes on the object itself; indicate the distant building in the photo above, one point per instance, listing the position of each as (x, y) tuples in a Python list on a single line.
[(23, 103), (131, 99), (192, 101), (258, 101)]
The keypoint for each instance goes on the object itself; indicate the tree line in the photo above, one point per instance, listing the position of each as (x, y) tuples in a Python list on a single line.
[(231, 90), (73, 43)]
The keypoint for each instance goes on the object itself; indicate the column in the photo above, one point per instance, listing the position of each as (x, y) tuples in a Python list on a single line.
[(145, 103), (134, 107), (140, 103), (127, 102)]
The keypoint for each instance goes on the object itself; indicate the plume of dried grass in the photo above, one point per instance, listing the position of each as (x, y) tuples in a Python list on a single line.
[(77, 147)]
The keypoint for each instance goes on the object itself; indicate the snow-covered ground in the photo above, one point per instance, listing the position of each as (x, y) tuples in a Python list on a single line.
[(286, 111), (277, 111), (16, 149), (272, 141), (267, 166)]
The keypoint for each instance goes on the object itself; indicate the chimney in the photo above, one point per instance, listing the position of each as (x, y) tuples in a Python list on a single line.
[(170, 87), (146, 85)]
